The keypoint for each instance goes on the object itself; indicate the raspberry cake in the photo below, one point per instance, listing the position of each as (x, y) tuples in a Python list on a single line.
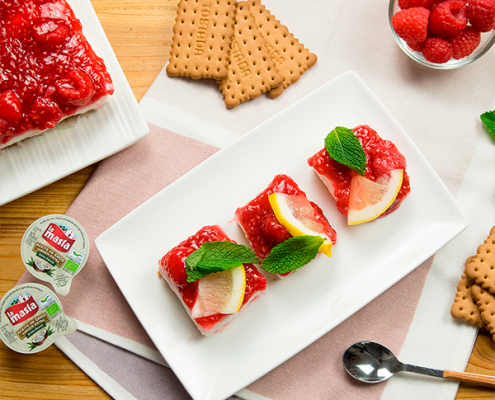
[(48, 69), (382, 157), (260, 225), (172, 268)]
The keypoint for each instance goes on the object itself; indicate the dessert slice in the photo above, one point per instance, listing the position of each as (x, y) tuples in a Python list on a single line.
[(379, 191), (215, 299), (48, 69), (280, 212)]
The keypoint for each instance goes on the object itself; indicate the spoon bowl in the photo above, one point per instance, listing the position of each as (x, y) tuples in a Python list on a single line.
[(372, 362)]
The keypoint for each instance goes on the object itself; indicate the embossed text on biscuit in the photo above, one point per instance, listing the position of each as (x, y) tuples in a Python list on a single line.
[(277, 58), (237, 55), (203, 26)]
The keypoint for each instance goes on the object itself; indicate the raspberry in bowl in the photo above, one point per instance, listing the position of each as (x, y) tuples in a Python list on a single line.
[(443, 34)]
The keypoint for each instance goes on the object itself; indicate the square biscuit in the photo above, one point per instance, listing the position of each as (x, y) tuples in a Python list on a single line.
[(251, 70), (486, 304), (482, 268), (291, 58), (201, 42), (464, 306)]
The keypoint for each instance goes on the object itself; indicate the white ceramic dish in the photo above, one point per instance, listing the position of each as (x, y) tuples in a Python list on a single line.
[(45, 158), (296, 311)]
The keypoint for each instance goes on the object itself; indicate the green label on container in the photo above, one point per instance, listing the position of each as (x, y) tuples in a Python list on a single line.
[(71, 265), (53, 309)]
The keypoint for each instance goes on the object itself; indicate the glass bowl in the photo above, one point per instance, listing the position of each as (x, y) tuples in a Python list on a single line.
[(487, 40)]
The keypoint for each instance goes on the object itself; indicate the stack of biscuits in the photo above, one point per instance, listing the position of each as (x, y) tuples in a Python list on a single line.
[(239, 44), (475, 298)]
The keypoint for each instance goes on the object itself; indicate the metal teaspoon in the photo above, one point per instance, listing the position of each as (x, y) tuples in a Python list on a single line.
[(371, 362)]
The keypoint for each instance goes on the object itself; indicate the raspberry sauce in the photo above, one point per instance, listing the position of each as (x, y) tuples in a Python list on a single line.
[(173, 268), (382, 156), (260, 225), (48, 69)]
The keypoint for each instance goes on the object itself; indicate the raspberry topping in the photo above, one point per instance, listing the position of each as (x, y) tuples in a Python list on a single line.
[(10, 109), (481, 14), (75, 88), (50, 32), (437, 50), (274, 231), (448, 18), (174, 262), (46, 62), (45, 113), (411, 24), (464, 43)]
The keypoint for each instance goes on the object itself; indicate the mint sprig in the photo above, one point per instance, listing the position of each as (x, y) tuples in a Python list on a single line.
[(292, 254), (217, 256), (345, 148), (488, 118)]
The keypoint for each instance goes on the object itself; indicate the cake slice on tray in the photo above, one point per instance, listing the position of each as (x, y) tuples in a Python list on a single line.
[(211, 291), (278, 214), (372, 183), (48, 69)]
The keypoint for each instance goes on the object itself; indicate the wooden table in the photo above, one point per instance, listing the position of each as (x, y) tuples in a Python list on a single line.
[(140, 33)]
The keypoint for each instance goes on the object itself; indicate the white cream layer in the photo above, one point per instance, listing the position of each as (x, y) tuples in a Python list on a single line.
[(33, 132)]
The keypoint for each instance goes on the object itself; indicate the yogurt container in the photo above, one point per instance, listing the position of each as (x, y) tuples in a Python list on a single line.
[(54, 249), (31, 318)]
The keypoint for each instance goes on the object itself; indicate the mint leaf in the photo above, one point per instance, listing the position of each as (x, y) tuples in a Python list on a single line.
[(292, 254), (488, 119), (345, 148), (195, 257), (214, 257)]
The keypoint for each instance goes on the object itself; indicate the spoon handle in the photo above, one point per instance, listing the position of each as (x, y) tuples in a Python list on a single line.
[(422, 370), (470, 378)]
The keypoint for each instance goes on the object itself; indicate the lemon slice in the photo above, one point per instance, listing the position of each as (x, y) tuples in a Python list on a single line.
[(220, 292), (368, 200), (298, 216)]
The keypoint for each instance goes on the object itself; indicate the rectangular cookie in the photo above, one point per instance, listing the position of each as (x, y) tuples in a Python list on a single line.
[(291, 58), (486, 305), (251, 70), (464, 306), (201, 41), (482, 268)]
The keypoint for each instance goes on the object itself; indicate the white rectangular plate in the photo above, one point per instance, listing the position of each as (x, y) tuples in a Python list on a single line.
[(296, 311), (45, 158)]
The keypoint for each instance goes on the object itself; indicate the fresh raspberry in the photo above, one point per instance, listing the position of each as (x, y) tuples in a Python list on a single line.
[(481, 14), (416, 46), (411, 24), (448, 18), (433, 4), (437, 50), (405, 4), (464, 43)]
